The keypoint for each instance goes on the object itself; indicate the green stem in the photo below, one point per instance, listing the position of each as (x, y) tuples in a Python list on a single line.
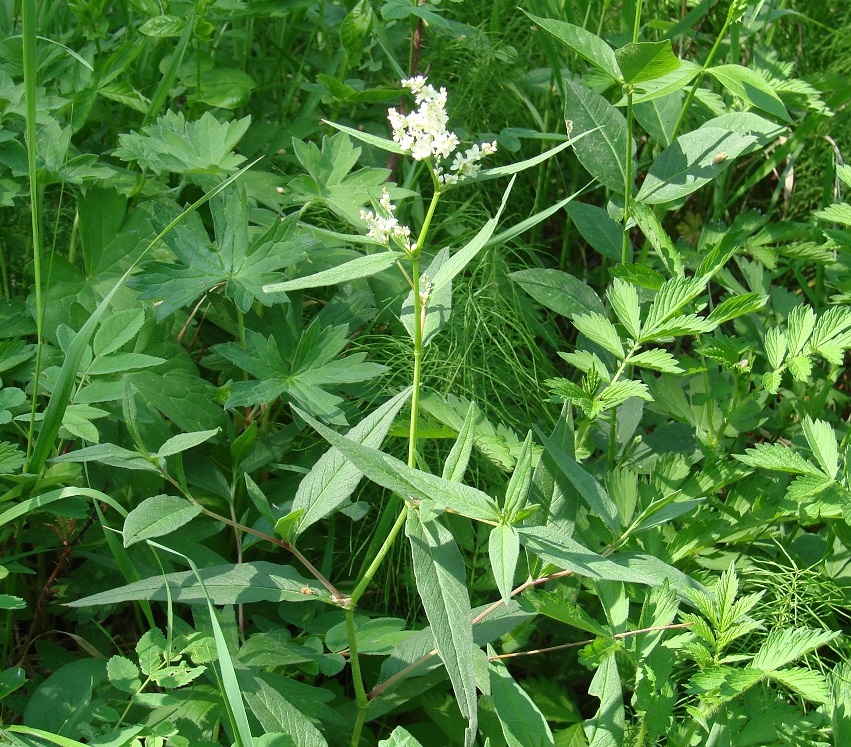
[(626, 247), (357, 676)]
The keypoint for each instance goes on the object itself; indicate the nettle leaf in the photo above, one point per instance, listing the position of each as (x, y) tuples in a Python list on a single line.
[(778, 458), (407, 482), (175, 145), (750, 86), (694, 159), (242, 583), (602, 150), (822, 440), (831, 329), (775, 347), (619, 392), (624, 300), (442, 584), (785, 645), (232, 263), (656, 360), (600, 330), (586, 44), (158, 516), (333, 478), (672, 296), (736, 306), (303, 377), (563, 293), (799, 326)]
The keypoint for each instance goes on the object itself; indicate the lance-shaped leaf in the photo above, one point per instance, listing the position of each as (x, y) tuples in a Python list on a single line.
[(442, 584), (362, 267), (503, 551), (158, 516), (226, 584), (233, 263), (603, 151), (750, 86), (606, 728), (586, 44), (407, 482), (333, 477), (459, 456), (523, 724), (303, 377), (563, 293)]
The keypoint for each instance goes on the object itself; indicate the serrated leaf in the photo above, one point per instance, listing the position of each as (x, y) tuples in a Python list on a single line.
[(563, 293), (778, 458), (640, 275), (801, 367), (409, 483), (503, 551), (523, 724), (185, 441), (400, 737), (736, 306), (117, 330), (822, 440), (157, 516), (603, 149), (785, 645), (441, 582), (558, 608), (242, 583), (600, 330), (751, 87), (606, 728), (833, 323), (775, 347), (123, 674), (656, 359), (806, 682), (619, 392), (672, 296), (333, 478), (694, 159), (799, 326), (624, 300), (641, 62), (360, 267), (586, 44)]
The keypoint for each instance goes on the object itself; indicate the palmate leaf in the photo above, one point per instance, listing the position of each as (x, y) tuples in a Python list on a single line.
[(303, 377), (442, 584), (234, 264)]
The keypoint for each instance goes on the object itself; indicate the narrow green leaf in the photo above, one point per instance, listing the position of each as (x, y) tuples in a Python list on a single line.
[(441, 581), (503, 551), (184, 441), (408, 483), (391, 146), (603, 151), (736, 306), (523, 724), (521, 478), (586, 44), (109, 454), (362, 267), (459, 455), (333, 478), (606, 728), (624, 300), (651, 227), (157, 516)]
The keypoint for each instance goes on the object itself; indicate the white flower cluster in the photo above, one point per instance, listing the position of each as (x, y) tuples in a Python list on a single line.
[(382, 226), (424, 133)]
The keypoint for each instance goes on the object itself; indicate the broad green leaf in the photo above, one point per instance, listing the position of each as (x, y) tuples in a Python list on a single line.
[(123, 674), (184, 441), (361, 267), (586, 44), (778, 458), (598, 228), (459, 455), (121, 363), (822, 441), (117, 330), (333, 478), (553, 545), (354, 31), (640, 275), (592, 492), (406, 482), (606, 728), (600, 330), (221, 87), (748, 123), (563, 293), (751, 87), (523, 724), (109, 454), (503, 551), (400, 737), (603, 151), (163, 26), (442, 584), (58, 698), (659, 115), (693, 160), (242, 583), (624, 300), (786, 645), (157, 516), (672, 82), (736, 306), (641, 62)]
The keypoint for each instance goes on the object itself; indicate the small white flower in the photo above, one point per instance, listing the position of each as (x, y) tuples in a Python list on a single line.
[(381, 228)]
